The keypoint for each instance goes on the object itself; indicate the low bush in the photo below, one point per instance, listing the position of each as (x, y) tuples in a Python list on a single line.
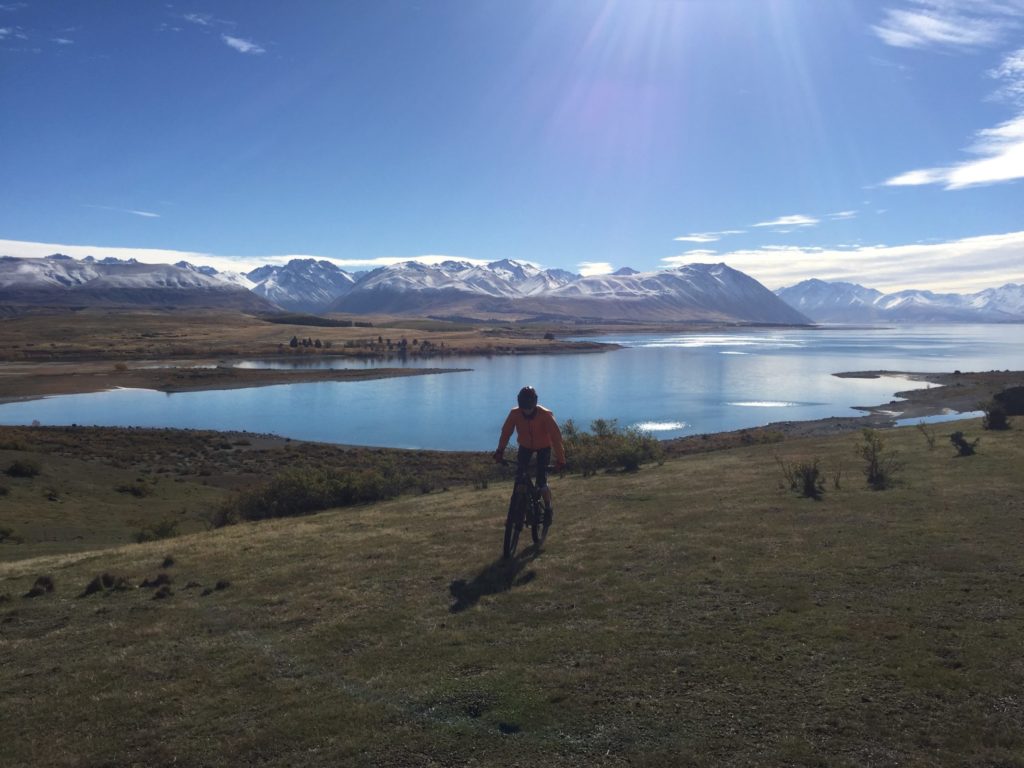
[(880, 464), (608, 446), (23, 468), (305, 491), (963, 447), (805, 477), (995, 415), (7, 534), (138, 490), (165, 529)]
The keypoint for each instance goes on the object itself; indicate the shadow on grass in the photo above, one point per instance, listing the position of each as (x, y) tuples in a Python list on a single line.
[(499, 576)]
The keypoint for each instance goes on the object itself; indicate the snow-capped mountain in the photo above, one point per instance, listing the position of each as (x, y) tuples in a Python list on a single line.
[(301, 285), (60, 280), (826, 302), (509, 288), (232, 278)]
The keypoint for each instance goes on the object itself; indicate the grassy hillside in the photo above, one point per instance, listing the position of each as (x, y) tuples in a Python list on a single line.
[(696, 613)]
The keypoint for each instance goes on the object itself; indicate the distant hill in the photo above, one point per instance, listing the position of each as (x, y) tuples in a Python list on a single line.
[(60, 280), (840, 302)]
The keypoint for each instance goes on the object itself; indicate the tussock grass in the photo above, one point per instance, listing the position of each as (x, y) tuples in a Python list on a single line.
[(693, 613)]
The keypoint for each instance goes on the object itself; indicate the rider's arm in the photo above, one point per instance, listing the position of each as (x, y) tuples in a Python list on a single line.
[(556, 439), (506, 431)]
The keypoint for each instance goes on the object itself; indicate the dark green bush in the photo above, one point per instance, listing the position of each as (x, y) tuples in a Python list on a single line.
[(995, 415), (23, 468), (963, 447), (608, 446), (165, 529), (305, 491)]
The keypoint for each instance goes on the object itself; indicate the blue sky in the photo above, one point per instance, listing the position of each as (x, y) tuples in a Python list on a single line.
[(877, 142)]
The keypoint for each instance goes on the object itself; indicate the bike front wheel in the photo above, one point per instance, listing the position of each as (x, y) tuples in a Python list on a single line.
[(513, 525)]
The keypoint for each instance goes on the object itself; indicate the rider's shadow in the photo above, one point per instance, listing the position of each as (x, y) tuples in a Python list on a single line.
[(499, 576)]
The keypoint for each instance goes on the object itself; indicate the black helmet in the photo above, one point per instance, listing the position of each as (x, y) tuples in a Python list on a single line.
[(527, 397)]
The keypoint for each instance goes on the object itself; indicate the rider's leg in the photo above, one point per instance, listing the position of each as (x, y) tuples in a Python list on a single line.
[(543, 458)]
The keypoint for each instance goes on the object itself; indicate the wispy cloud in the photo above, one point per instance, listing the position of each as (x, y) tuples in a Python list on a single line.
[(62, 41), (961, 266), (937, 26), (842, 215), (1010, 73), (591, 268), (708, 237), (1000, 157), (242, 46), (796, 220), (200, 19), (7, 33), (144, 214)]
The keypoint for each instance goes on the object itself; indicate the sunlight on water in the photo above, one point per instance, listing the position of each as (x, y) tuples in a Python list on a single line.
[(765, 404), (710, 340), (661, 426)]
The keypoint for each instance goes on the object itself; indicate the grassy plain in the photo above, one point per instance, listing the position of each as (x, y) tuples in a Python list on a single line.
[(694, 613)]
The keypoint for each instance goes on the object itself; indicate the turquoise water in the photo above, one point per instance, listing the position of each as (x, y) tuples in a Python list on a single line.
[(672, 385)]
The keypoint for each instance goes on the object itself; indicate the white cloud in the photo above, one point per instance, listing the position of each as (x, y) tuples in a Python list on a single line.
[(63, 41), (690, 257), (1000, 153), (937, 26), (797, 220), (1011, 72), (842, 215), (590, 268), (707, 237), (242, 46), (960, 266)]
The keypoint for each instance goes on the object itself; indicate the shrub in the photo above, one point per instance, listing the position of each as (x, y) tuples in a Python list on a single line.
[(805, 477), (305, 491), (995, 415), (23, 468), (963, 447), (929, 434), (608, 446), (138, 490), (165, 529), (7, 534), (880, 464)]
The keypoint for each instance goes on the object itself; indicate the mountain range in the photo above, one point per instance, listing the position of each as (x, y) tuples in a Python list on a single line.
[(503, 289), (840, 302)]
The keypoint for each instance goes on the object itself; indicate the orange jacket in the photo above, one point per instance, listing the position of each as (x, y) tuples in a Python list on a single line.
[(535, 433)]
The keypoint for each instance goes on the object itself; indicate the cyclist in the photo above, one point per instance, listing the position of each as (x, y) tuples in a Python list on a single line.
[(536, 432)]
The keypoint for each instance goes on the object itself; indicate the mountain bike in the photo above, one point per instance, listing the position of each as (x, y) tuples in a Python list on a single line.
[(524, 508)]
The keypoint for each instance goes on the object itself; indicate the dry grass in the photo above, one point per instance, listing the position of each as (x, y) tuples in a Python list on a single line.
[(695, 613)]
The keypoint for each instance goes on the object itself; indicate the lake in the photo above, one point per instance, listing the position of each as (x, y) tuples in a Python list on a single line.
[(669, 384)]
